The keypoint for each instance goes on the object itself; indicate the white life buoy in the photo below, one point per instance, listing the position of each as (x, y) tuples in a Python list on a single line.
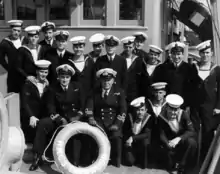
[(75, 128)]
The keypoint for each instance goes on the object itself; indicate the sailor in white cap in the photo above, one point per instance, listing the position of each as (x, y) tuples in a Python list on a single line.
[(83, 64), (137, 133), (33, 100), (178, 74), (97, 41), (168, 53), (8, 53), (108, 110), (134, 65), (48, 29), (193, 58), (58, 55), (66, 108), (114, 61), (177, 134), (28, 54), (140, 39)]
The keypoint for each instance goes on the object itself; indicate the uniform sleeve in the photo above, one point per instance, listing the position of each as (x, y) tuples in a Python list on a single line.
[(81, 101), (89, 105), (124, 79), (3, 55), (189, 129), (20, 61), (25, 100), (163, 136), (144, 135), (51, 102), (122, 109)]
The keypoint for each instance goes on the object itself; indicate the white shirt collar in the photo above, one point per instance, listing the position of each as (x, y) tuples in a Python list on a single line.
[(178, 64), (62, 53), (111, 57), (64, 88), (49, 42)]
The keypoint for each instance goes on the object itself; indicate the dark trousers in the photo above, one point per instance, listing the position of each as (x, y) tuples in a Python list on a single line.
[(45, 128), (137, 153), (116, 150), (183, 153)]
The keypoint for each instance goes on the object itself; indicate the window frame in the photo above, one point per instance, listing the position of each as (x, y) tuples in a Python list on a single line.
[(134, 22)]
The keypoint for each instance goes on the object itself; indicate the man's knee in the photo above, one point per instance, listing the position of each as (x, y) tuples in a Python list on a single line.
[(45, 123), (191, 142)]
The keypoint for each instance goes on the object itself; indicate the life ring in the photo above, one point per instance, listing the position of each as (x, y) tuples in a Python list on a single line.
[(75, 128)]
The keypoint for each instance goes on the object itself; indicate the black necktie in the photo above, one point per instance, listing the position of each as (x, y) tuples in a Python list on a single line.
[(105, 95), (61, 56)]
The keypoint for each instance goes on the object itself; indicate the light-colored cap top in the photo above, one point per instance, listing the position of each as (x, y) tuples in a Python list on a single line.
[(65, 69), (174, 100), (193, 55), (42, 64), (47, 25), (128, 39), (159, 85), (97, 38), (78, 39), (112, 40), (106, 72), (142, 34), (138, 102), (34, 29), (177, 44), (168, 47), (61, 32), (204, 45), (155, 49), (15, 23)]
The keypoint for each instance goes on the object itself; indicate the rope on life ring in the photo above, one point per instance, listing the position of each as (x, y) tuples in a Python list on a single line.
[(4, 131), (75, 128)]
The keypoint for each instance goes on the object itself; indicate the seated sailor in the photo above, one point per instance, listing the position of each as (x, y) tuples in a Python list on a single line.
[(107, 107), (137, 136), (177, 134), (65, 103)]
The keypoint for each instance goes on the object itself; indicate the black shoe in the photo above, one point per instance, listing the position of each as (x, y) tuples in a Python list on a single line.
[(34, 166)]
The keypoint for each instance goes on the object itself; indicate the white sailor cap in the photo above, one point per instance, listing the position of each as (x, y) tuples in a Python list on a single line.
[(47, 25), (106, 73), (97, 38), (177, 46), (33, 29), (174, 100), (204, 45), (138, 102), (155, 49), (168, 47), (42, 64), (159, 86), (111, 40), (140, 36), (194, 56), (128, 40), (78, 40), (65, 69), (15, 23), (61, 35)]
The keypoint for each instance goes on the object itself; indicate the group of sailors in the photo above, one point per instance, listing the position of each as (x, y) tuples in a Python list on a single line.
[(146, 107)]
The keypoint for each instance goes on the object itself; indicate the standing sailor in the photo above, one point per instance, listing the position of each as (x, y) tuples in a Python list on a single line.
[(8, 53), (97, 41)]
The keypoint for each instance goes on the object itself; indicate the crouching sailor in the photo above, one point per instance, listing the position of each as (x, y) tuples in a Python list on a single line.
[(138, 133), (64, 104), (107, 107), (177, 134)]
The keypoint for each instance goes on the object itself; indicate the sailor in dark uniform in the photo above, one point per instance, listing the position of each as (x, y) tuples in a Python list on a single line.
[(8, 53), (177, 135), (138, 134), (148, 70), (113, 61), (48, 42), (207, 96), (97, 41), (27, 55), (178, 74), (134, 64), (64, 104), (58, 55), (33, 100), (140, 39), (82, 64), (107, 108)]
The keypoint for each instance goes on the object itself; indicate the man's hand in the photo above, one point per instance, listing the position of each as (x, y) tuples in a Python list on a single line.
[(33, 121), (92, 121), (76, 118), (113, 128), (129, 141), (174, 142), (64, 121), (216, 111)]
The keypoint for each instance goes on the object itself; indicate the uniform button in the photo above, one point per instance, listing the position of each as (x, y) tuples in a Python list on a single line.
[(102, 118), (111, 118), (101, 109), (102, 113), (110, 109), (110, 112)]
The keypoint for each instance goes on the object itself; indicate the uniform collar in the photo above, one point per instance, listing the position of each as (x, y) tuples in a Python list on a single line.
[(61, 53)]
